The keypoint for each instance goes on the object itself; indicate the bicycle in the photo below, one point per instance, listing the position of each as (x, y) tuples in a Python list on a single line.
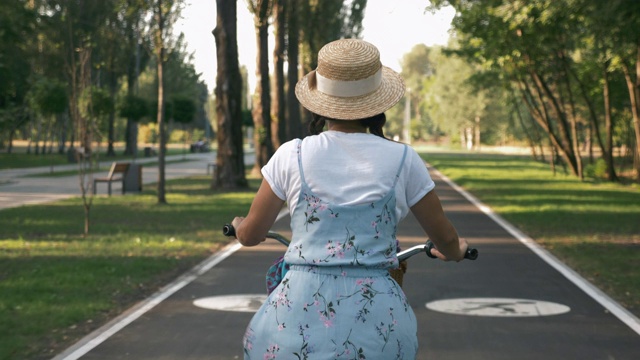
[(403, 256)]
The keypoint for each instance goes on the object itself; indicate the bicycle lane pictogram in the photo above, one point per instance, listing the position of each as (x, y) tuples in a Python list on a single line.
[(515, 302)]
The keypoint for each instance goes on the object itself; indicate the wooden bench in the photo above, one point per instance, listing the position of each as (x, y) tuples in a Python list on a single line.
[(118, 169)]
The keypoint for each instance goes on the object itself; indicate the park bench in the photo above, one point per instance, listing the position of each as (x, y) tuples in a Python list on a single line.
[(117, 172)]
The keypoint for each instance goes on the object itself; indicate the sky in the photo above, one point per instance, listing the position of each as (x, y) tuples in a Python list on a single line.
[(394, 26)]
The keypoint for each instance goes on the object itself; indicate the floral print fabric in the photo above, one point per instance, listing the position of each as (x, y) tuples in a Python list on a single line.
[(337, 301)]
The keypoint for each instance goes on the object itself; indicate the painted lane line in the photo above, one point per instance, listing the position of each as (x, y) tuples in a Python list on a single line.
[(100, 335), (603, 299)]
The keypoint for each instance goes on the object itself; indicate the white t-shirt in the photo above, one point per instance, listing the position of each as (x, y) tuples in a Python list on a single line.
[(348, 169)]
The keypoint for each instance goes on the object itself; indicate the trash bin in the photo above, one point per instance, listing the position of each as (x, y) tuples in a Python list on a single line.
[(133, 178), (72, 156)]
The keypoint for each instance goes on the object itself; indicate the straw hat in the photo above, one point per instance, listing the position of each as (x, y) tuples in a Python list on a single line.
[(349, 83)]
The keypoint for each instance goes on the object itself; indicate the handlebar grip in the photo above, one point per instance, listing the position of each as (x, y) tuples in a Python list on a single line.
[(228, 230), (429, 247), (470, 254)]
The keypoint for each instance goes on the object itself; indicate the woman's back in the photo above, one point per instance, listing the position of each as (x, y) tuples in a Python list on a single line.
[(348, 169)]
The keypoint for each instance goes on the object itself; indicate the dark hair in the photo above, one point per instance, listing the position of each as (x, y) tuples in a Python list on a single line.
[(317, 124), (374, 124)]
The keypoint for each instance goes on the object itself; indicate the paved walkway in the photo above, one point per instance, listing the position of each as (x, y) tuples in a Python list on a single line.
[(27, 186)]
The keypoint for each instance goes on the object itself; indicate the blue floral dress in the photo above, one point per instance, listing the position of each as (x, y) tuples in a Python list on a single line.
[(337, 301)]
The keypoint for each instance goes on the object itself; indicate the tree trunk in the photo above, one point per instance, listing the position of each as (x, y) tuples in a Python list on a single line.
[(80, 79), (588, 145), (62, 120), (230, 172), (278, 128), (573, 122), (562, 143), (133, 72), (565, 146), (131, 138), (554, 156), (294, 125), (595, 124), (633, 86), (161, 118), (476, 133), (262, 107), (608, 120), (10, 146), (530, 140), (38, 134), (113, 88), (87, 219)]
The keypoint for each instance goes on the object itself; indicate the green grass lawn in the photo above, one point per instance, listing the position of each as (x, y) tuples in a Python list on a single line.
[(56, 285), (594, 227)]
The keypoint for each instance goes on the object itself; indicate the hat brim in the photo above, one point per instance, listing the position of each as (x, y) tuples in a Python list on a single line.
[(387, 95)]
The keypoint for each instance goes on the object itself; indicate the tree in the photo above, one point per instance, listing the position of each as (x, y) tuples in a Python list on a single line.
[(184, 110), (101, 109), (261, 110), (181, 78), (455, 103), (165, 14), (159, 53), (48, 98), (564, 58), (79, 22), (17, 22), (416, 70), (519, 38), (347, 23), (279, 128), (133, 107), (628, 23), (294, 121), (110, 50), (230, 173), (326, 21), (86, 127), (131, 20)]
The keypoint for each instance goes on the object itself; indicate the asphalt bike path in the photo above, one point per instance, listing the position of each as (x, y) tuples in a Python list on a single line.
[(515, 302)]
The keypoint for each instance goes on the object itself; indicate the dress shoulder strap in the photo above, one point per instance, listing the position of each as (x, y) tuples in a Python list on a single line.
[(404, 156), (299, 150)]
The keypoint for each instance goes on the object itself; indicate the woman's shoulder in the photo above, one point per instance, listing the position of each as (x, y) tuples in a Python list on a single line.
[(390, 145), (289, 146)]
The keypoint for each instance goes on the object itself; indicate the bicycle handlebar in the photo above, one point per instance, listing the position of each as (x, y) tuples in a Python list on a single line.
[(229, 230), (470, 254)]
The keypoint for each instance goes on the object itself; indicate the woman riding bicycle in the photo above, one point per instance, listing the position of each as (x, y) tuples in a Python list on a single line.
[(346, 189)]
